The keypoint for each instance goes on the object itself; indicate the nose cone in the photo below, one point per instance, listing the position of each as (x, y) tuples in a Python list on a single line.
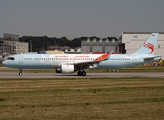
[(4, 63)]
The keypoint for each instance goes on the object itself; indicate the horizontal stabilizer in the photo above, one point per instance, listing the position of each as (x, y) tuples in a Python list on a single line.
[(150, 58)]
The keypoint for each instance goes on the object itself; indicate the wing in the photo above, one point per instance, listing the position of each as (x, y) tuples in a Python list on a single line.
[(90, 64), (85, 65)]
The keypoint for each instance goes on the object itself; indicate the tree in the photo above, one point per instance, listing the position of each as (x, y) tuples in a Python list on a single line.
[(37, 41)]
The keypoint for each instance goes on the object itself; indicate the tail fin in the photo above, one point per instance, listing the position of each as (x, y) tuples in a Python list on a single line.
[(148, 47)]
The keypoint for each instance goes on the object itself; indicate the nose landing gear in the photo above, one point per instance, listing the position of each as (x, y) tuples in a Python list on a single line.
[(20, 73)]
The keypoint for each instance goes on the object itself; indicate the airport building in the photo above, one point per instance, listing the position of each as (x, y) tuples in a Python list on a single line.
[(11, 45), (92, 45), (73, 51), (132, 41)]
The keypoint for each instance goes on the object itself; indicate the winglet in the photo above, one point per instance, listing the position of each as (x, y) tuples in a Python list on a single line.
[(104, 57), (107, 58)]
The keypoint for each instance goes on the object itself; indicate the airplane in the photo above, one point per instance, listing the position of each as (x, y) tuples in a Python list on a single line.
[(69, 63)]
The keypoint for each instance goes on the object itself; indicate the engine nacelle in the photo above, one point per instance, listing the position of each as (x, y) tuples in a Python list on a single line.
[(65, 69)]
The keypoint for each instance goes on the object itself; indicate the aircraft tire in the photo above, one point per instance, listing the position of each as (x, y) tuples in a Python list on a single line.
[(83, 73), (20, 74), (79, 73)]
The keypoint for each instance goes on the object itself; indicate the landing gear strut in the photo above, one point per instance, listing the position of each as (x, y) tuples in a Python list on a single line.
[(20, 73), (81, 73)]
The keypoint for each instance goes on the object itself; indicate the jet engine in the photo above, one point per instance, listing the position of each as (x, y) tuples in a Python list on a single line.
[(65, 69)]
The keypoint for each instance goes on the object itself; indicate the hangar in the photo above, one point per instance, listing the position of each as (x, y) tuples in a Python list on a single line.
[(99, 45), (131, 42)]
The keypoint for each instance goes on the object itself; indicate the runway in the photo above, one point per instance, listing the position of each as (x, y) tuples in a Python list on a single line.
[(74, 75)]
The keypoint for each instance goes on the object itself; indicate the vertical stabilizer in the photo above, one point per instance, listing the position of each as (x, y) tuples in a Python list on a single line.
[(148, 47)]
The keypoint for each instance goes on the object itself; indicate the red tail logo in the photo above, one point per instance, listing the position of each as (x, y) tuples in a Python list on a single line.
[(149, 46)]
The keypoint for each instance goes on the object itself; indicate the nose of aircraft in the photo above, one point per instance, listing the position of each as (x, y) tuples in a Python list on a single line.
[(4, 63)]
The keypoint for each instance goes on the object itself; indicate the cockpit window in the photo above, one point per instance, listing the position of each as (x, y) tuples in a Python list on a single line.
[(10, 58)]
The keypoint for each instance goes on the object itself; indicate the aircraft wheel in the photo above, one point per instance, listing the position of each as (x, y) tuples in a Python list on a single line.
[(84, 73), (79, 73), (20, 74)]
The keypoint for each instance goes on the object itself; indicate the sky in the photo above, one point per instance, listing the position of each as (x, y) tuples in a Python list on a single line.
[(77, 18)]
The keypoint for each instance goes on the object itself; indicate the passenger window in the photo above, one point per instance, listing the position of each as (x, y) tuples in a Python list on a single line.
[(10, 58)]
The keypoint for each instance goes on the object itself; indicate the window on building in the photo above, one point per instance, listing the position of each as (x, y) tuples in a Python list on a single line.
[(135, 36)]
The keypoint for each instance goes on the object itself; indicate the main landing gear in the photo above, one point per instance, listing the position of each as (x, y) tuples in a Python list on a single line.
[(81, 73), (20, 73)]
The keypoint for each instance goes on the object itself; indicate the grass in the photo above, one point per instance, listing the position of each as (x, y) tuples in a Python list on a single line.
[(1, 65), (82, 98), (2, 99)]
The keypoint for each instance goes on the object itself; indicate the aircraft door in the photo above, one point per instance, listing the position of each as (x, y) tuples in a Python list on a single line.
[(73, 59), (21, 59), (134, 59)]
